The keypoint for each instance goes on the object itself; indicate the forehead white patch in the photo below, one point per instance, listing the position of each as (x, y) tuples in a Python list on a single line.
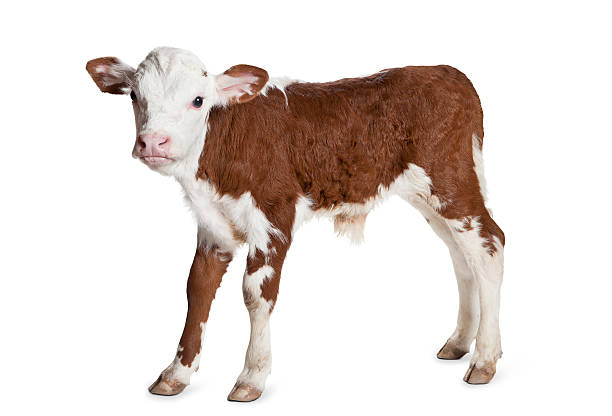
[(168, 72), (170, 62)]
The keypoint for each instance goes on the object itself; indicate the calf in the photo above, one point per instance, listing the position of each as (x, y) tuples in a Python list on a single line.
[(257, 157)]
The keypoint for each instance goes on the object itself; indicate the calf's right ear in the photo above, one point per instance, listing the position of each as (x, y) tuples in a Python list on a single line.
[(111, 75)]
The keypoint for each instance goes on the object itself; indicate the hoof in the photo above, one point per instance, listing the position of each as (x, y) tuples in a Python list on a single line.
[(479, 375), (450, 352), (243, 392), (164, 387)]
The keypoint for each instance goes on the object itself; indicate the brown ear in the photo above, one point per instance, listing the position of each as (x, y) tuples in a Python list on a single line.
[(241, 83), (111, 75)]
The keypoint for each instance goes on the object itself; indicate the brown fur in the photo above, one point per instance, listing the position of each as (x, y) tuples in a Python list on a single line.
[(100, 77), (205, 277), (338, 141)]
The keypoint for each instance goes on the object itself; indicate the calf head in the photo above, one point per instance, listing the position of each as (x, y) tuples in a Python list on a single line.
[(172, 94)]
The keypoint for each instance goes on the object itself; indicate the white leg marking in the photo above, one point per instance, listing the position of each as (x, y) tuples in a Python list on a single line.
[(258, 360), (177, 371), (469, 313), (488, 270)]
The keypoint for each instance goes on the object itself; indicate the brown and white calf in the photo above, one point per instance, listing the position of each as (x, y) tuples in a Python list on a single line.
[(257, 157)]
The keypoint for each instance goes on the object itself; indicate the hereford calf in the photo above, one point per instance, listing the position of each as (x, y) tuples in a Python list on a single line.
[(257, 157)]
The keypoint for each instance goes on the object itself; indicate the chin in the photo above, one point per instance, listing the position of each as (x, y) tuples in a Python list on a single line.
[(159, 164)]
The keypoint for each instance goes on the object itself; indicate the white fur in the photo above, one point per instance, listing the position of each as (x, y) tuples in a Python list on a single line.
[(488, 271), (479, 165), (303, 212), (218, 216), (214, 228), (469, 314), (280, 84), (350, 227), (179, 372), (165, 84), (250, 221), (258, 360), (252, 282), (232, 87)]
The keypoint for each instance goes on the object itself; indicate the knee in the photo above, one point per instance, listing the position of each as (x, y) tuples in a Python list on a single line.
[(250, 298), (256, 287)]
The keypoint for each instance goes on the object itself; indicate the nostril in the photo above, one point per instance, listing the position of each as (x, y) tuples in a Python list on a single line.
[(164, 141), (141, 143)]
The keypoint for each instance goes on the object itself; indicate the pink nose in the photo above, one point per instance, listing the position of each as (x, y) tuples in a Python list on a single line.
[(152, 144)]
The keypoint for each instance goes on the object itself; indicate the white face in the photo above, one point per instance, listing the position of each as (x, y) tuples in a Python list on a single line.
[(172, 95)]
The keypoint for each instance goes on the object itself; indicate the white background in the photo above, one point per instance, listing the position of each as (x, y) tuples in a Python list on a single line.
[(95, 248)]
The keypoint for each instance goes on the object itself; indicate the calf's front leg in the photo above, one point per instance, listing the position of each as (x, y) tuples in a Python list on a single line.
[(260, 289), (207, 270)]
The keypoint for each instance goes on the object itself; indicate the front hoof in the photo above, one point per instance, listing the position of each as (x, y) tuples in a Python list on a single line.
[(243, 392), (479, 375), (451, 352), (163, 387)]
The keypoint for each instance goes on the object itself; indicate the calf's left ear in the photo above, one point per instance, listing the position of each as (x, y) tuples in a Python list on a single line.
[(241, 83), (111, 75)]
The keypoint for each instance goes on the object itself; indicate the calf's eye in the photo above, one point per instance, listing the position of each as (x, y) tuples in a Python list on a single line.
[(197, 102), (133, 96)]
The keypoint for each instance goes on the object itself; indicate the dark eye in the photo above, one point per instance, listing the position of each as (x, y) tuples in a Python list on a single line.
[(197, 102), (133, 96)]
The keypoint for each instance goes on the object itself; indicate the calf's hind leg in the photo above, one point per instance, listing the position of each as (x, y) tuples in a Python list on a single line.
[(481, 242), (468, 316)]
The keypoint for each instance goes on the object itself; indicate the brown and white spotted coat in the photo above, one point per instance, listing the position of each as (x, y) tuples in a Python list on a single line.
[(258, 157)]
